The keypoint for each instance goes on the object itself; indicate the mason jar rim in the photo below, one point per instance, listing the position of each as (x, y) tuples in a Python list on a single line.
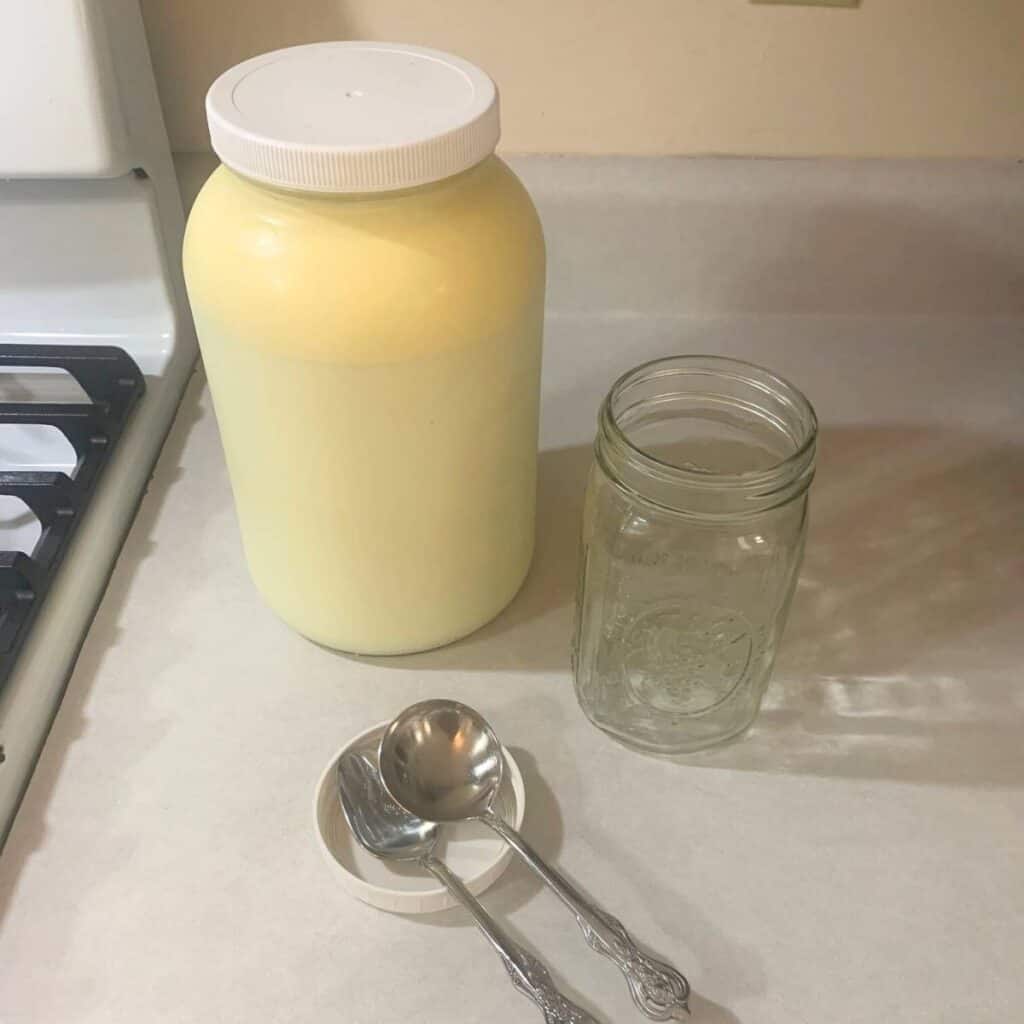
[(757, 490)]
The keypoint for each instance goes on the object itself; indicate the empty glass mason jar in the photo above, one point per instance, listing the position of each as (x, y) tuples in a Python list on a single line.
[(693, 534)]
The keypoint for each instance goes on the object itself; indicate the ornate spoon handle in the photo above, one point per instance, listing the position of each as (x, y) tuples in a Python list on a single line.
[(528, 974), (657, 988)]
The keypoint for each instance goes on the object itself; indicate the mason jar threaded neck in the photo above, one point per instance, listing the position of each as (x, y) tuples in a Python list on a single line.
[(707, 437)]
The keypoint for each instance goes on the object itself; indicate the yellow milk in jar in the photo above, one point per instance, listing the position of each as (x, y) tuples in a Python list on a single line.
[(367, 281)]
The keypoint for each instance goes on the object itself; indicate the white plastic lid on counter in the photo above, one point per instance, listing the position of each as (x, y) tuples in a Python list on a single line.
[(353, 116), (471, 850)]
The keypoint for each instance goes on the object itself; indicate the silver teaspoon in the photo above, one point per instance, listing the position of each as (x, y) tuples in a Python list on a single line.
[(390, 832), (442, 761)]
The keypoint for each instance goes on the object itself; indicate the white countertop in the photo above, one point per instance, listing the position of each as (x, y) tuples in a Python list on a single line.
[(859, 856)]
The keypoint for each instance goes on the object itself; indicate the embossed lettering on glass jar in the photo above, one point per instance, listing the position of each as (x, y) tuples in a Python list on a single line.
[(693, 533)]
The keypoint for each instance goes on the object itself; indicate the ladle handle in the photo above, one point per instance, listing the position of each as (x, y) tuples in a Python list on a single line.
[(658, 989), (528, 974)]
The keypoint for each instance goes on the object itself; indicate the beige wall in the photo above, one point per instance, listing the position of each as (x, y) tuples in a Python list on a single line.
[(892, 77)]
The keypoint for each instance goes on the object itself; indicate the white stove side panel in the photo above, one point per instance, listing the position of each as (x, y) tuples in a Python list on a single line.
[(85, 262)]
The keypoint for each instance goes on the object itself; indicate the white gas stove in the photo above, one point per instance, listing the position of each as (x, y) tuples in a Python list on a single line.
[(96, 341)]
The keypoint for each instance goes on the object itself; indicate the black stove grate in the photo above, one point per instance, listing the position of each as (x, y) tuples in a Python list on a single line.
[(113, 383)]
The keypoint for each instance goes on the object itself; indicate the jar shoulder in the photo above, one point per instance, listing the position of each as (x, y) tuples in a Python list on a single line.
[(462, 256)]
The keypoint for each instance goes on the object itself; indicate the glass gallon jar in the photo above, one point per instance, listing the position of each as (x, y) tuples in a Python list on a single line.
[(693, 533), (367, 281)]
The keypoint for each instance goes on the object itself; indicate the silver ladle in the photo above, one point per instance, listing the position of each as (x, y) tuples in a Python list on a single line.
[(390, 832), (442, 762)]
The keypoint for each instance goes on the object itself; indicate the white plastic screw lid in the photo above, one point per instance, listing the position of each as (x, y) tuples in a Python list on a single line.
[(353, 116)]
